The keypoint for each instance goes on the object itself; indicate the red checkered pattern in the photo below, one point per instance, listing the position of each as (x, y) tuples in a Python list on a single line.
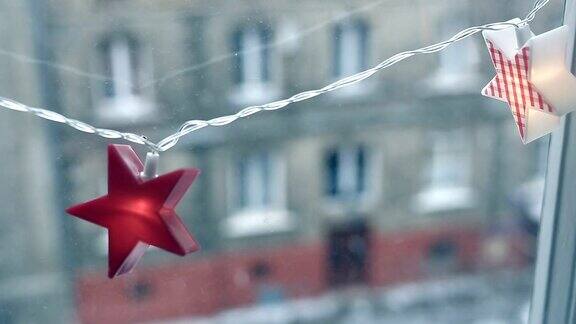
[(511, 85)]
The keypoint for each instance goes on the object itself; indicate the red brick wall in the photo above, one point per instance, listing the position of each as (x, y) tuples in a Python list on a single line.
[(300, 270), (401, 256), (200, 287), (174, 291), (224, 280)]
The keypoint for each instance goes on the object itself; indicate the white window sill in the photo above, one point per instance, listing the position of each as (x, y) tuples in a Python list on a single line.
[(437, 199), (354, 90), (341, 206), (124, 109), (254, 93), (251, 222)]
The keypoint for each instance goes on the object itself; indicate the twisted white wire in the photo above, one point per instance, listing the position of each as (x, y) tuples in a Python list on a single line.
[(79, 125), (194, 125)]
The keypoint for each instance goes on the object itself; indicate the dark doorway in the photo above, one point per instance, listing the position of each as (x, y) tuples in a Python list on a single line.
[(348, 246)]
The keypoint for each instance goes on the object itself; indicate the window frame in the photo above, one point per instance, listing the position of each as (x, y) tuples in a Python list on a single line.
[(554, 294)]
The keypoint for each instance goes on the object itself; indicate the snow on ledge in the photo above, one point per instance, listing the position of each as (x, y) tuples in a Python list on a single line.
[(124, 108), (437, 199), (257, 222), (254, 92)]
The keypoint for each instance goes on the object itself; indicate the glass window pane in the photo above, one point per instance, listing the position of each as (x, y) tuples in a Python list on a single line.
[(410, 199)]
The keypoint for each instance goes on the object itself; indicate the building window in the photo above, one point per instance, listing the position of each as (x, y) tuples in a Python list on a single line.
[(450, 164), (253, 71), (252, 54), (462, 58), (255, 181), (449, 174), (345, 172), (125, 68), (458, 67), (120, 58), (257, 196), (350, 48)]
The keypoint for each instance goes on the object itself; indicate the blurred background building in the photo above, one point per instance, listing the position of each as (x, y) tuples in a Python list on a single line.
[(406, 184)]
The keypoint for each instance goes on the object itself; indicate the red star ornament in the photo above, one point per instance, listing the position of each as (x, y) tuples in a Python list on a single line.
[(137, 212), (532, 77)]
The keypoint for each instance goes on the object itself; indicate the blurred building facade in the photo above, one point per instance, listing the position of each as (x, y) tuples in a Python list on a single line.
[(403, 177), (32, 271)]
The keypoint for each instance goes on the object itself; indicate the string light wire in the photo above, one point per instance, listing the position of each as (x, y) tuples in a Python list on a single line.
[(195, 125)]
